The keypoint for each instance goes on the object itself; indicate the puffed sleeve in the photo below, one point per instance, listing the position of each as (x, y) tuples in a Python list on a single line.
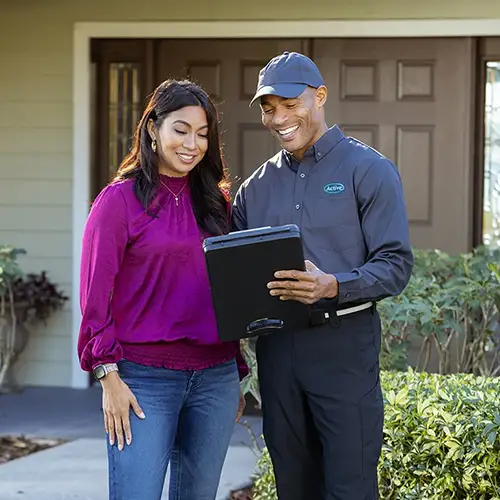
[(103, 247)]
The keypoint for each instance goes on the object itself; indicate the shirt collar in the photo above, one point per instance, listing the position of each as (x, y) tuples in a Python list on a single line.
[(320, 148)]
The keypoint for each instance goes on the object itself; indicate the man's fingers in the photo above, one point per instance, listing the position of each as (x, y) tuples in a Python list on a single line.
[(296, 294), (298, 299), (305, 294), (294, 275), (291, 285)]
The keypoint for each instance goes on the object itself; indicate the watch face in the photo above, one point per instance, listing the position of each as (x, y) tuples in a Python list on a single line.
[(99, 372)]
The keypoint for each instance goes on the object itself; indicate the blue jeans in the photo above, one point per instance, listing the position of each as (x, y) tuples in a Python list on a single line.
[(190, 417)]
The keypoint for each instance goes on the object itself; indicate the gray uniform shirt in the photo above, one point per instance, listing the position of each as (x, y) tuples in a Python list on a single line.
[(347, 199)]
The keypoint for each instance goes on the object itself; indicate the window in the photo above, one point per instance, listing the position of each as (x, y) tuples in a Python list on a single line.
[(491, 189), (124, 111)]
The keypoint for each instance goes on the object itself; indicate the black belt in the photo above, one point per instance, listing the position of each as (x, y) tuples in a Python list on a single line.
[(320, 317)]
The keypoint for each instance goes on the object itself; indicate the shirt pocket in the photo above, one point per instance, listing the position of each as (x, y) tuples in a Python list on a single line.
[(335, 223)]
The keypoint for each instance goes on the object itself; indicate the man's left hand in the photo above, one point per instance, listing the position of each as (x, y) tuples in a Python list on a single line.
[(307, 286)]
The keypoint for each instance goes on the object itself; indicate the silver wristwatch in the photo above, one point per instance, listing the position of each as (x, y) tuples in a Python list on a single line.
[(100, 371)]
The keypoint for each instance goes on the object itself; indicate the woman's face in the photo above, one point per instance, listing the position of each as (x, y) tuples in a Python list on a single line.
[(181, 140)]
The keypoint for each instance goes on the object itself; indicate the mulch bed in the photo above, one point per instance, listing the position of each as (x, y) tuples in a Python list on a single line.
[(12, 447), (245, 493)]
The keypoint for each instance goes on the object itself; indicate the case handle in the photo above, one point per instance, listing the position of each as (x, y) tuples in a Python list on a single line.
[(254, 327)]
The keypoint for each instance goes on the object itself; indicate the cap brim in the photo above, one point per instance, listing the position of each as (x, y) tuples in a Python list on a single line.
[(285, 90)]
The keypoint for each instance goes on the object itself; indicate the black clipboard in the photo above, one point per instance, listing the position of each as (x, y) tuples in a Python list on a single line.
[(240, 264)]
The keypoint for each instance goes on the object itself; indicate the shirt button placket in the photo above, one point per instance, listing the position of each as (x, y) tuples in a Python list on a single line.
[(300, 189)]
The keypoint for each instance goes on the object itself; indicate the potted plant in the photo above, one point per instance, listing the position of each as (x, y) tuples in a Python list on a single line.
[(24, 299)]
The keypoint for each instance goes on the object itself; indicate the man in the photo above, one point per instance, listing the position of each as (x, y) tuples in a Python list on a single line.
[(321, 397)]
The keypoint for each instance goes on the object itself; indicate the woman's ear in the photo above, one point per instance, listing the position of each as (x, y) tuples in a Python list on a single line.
[(151, 129)]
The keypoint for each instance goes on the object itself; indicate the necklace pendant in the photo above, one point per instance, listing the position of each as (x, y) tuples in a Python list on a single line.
[(177, 201)]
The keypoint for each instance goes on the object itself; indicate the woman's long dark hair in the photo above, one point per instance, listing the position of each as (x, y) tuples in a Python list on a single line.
[(208, 181)]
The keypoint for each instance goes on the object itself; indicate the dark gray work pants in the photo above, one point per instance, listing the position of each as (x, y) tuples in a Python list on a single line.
[(323, 409)]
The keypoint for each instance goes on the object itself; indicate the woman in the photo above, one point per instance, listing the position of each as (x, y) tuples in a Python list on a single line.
[(148, 330)]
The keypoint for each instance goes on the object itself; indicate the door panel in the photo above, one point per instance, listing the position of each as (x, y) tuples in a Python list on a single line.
[(228, 70), (411, 100)]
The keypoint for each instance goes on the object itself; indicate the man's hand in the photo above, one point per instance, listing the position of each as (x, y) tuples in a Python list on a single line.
[(304, 286)]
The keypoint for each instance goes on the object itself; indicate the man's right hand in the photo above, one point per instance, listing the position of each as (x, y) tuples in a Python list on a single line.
[(117, 398)]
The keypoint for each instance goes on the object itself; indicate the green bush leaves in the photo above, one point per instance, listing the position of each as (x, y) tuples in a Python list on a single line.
[(449, 311), (441, 439)]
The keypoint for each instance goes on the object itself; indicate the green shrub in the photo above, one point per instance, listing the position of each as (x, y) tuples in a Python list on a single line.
[(441, 439), (449, 309)]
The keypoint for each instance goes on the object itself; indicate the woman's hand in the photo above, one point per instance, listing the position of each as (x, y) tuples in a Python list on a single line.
[(117, 398), (241, 406)]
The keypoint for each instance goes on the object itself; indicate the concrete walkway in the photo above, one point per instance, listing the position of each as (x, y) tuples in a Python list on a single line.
[(78, 470)]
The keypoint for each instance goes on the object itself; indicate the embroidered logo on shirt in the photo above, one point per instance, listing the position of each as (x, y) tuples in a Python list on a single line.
[(334, 188)]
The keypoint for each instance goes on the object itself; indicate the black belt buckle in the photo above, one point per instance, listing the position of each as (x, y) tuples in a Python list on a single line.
[(317, 317)]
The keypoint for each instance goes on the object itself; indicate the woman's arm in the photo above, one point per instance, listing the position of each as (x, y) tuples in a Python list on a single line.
[(103, 247)]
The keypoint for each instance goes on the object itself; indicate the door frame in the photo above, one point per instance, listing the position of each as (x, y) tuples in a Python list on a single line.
[(84, 32)]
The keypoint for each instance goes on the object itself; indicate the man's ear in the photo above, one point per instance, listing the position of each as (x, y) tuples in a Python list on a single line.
[(151, 129), (321, 96)]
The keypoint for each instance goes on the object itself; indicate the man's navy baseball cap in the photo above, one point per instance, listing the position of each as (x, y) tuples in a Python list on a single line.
[(287, 76)]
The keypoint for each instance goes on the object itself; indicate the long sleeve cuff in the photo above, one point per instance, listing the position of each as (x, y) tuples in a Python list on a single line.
[(350, 287)]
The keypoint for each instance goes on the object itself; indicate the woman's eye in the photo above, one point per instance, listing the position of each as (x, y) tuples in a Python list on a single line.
[(180, 132)]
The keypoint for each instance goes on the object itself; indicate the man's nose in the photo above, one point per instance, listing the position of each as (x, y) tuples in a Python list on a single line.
[(280, 119)]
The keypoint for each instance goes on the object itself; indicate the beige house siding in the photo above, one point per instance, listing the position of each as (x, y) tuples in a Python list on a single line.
[(36, 44), (36, 171), (150, 10)]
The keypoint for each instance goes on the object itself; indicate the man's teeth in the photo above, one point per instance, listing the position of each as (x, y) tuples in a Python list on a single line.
[(288, 131)]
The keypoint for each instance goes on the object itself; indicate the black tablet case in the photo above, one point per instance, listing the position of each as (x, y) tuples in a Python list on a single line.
[(240, 264)]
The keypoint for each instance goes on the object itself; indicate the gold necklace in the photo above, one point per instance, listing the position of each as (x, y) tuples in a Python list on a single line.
[(176, 196)]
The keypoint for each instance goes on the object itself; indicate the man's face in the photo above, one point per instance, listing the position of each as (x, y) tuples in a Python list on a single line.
[(298, 122)]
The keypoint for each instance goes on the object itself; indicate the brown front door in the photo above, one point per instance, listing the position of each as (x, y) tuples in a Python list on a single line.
[(228, 70), (411, 100), (126, 71)]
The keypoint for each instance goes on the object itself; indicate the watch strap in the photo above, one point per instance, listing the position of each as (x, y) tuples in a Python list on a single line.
[(110, 367)]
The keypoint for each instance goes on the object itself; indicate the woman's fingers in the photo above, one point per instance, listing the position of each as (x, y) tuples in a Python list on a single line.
[(119, 431)]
